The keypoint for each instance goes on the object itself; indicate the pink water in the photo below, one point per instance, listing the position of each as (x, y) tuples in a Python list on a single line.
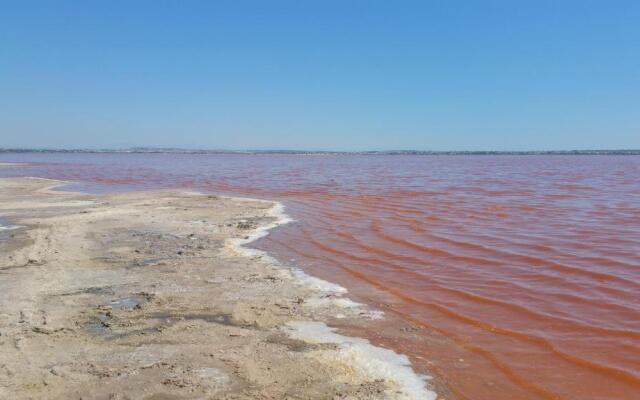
[(505, 277)]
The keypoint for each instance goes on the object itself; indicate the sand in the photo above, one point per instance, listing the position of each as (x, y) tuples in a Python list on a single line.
[(157, 295)]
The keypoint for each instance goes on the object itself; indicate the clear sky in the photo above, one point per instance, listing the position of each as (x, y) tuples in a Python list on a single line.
[(321, 75)]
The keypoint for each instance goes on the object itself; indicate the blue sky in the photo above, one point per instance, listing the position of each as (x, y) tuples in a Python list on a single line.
[(320, 75)]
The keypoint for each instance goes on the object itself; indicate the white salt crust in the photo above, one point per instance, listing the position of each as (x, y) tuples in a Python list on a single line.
[(363, 361)]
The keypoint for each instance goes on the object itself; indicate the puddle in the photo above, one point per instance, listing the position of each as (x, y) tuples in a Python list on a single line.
[(127, 303), (7, 231), (212, 375), (6, 226), (99, 325)]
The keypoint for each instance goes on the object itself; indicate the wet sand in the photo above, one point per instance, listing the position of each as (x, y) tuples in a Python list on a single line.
[(151, 295)]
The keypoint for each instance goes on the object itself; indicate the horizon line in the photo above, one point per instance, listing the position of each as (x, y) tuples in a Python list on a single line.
[(178, 150)]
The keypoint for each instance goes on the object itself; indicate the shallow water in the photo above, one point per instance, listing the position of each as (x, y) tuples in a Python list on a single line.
[(523, 270)]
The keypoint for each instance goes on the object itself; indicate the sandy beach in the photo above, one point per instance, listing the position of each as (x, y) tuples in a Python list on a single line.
[(154, 295)]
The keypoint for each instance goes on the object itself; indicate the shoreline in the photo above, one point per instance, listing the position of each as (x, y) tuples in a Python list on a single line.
[(370, 361), (260, 298), (152, 150)]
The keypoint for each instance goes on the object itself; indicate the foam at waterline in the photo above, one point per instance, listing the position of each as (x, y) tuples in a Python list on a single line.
[(356, 354), (343, 302), (281, 218), (362, 359), (328, 294)]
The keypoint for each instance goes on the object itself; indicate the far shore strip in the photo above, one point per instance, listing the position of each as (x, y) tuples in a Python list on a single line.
[(156, 295)]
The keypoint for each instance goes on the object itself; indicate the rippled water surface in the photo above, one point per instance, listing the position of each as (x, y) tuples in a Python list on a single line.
[(506, 277)]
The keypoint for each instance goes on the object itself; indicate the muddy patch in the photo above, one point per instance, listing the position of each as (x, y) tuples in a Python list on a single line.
[(100, 290), (291, 344), (169, 319)]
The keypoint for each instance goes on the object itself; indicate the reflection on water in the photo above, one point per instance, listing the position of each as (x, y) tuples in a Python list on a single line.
[(512, 277)]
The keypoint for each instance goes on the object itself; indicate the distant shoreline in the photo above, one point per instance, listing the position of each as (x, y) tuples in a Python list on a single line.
[(142, 150)]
